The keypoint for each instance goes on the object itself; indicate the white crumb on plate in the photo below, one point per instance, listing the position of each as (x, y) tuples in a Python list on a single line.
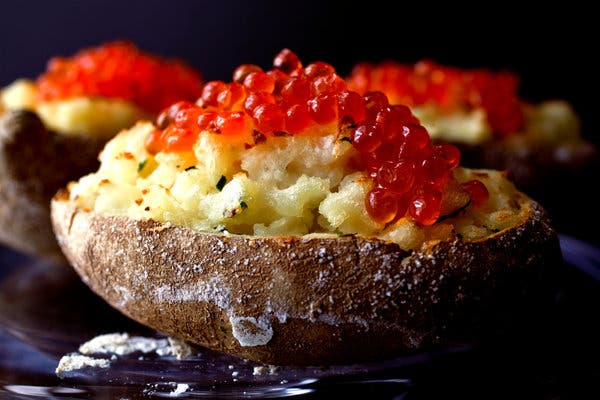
[(260, 370), (123, 344), (74, 361), (179, 348), (274, 369), (181, 388), (119, 344), (266, 369)]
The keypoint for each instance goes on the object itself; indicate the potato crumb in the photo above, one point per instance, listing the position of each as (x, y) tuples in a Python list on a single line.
[(179, 348), (266, 369), (74, 361)]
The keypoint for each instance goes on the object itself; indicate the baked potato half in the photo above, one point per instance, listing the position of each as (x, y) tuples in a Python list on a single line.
[(293, 230), (52, 129), (312, 299), (34, 163)]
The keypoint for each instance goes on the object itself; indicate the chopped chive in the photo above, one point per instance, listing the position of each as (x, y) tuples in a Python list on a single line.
[(142, 164), (221, 182), (243, 205)]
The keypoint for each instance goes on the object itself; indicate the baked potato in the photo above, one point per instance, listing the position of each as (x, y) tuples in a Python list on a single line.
[(481, 112), (52, 130), (34, 163), (301, 242)]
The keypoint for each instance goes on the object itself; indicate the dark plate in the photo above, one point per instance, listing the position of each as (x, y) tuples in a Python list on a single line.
[(46, 312)]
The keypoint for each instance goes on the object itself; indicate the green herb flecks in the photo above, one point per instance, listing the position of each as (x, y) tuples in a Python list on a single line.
[(221, 182)]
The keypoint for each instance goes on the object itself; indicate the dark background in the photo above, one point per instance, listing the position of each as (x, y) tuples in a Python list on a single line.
[(552, 49)]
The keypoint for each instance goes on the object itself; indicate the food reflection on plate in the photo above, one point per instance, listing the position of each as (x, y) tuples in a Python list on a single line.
[(50, 306)]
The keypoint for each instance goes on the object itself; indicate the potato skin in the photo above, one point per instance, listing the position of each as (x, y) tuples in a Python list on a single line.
[(34, 164), (306, 300)]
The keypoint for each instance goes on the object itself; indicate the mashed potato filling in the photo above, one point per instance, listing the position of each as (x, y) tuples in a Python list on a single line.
[(95, 116), (288, 185), (551, 121)]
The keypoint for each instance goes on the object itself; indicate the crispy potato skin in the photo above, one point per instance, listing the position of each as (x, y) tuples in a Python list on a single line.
[(307, 300), (34, 164)]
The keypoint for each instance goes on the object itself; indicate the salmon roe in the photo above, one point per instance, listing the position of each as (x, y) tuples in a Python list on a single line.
[(409, 172), (448, 87), (120, 70)]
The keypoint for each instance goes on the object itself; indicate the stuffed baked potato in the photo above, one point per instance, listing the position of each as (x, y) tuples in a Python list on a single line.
[(287, 220), (52, 129)]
